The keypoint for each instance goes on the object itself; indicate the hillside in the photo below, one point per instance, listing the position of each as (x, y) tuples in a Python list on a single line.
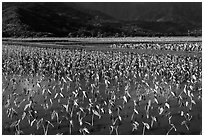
[(150, 11), (52, 19), (82, 20), (162, 17)]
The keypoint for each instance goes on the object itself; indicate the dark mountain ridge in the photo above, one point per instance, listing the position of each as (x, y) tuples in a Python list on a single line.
[(84, 20), (150, 11)]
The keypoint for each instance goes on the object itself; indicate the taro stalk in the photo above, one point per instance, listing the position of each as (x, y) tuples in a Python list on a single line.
[(80, 118), (145, 125), (75, 93), (40, 123), (167, 105), (147, 108), (23, 115), (56, 95), (127, 87), (185, 123), (84, 94), (156, 100), (49, 92), (84, 131), (92, 120), (185, 89), (61, 91), (118, 110), (19, 104), (66, 106), (75, 104), (182, 113), (64, 80), (102, 110), (107, 83), (172, 127), (147, 85), (55, 114), (161, 109), (32, 122), (134, 110), (28, 106), (114, 128), (70, 126), (192, 102), (124, 100), (180, 100), (92, 88), (135, 125), (188, 117), (17, 127), (47, 123), (169, 119), (11, 112), (82, 109), (154, 119), (96, 113)]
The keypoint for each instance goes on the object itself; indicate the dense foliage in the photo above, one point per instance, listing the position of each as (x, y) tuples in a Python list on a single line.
[(62, 91)]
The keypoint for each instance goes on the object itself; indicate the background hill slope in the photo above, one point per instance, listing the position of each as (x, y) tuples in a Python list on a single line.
[(99, 19)]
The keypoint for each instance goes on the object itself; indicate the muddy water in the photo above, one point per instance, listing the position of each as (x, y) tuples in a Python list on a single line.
[(25, 89)]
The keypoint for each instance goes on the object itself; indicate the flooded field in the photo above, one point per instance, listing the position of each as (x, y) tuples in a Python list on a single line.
[(118, 88)]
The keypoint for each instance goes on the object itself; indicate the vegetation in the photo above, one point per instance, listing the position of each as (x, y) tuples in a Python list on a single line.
[(79, 91), (72, 20)]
